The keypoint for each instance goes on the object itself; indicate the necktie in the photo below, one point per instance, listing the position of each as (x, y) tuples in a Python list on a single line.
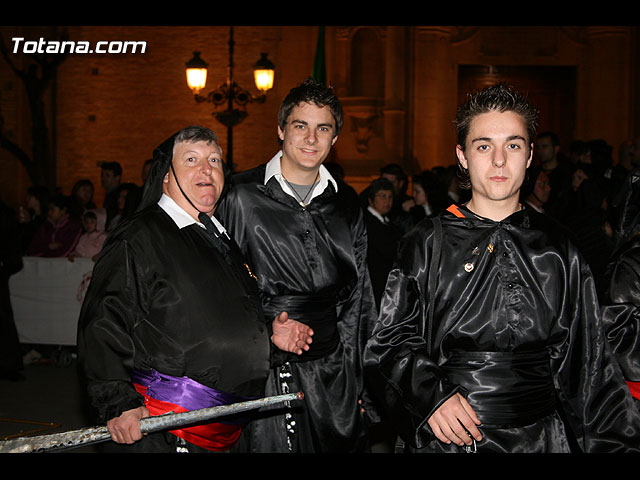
[(223, 246), (215, 235)]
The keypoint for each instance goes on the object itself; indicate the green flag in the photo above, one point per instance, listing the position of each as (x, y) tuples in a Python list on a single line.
[(319, 72)]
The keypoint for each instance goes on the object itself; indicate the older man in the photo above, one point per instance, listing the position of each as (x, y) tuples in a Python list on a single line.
[(489, 336), (382, 234), (172, 320)]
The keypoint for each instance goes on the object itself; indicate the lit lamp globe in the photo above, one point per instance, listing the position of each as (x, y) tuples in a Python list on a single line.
[(263, 72), (196, 73)]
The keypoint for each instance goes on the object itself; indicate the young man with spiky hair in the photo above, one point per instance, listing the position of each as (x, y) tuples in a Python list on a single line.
[(489, 337)]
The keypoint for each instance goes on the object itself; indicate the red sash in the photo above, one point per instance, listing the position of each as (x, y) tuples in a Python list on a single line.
[(212, 436), (634, 387)]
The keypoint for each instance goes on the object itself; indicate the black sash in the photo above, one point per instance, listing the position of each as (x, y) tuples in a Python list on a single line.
[(316, 311), (506, 389)]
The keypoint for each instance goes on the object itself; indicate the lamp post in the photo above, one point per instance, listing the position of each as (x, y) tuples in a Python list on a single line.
[(229, 92)]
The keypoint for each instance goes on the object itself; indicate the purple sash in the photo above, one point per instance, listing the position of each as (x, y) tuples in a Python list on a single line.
[(184, 391)]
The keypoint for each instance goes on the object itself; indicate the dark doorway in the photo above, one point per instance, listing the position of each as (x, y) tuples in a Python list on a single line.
[(552, 90)]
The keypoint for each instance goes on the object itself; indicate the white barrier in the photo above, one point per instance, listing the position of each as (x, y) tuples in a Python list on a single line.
[(46, 296)]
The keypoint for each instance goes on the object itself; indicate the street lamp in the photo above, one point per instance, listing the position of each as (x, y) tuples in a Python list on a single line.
[(263, 71), (229, 92), (196, 73)]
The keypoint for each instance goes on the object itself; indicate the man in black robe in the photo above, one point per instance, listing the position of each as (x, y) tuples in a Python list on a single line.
[(382, 235), (489, 336), (621, 298), (303, 233), (172, 319), (621, 312)]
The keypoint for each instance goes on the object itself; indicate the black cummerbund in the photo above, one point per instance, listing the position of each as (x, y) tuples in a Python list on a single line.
[(316, 311), (506, 389)]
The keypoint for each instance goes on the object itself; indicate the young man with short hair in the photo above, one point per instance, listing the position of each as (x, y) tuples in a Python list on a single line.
[(302, 231), (489, 336)]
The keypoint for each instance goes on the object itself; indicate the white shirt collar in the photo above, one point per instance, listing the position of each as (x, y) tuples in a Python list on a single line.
[(376, 214), (273, 170), (180, 217), (534, 207)]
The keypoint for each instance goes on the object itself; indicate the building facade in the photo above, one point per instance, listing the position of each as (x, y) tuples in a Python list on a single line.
[(400, 87)]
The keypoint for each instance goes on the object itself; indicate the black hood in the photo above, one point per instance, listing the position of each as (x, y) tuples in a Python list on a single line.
[(159, 167), (625, 208), (162, 156)]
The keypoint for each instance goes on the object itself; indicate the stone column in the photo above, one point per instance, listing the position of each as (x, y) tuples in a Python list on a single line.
[(434, 95), (395, 94), (606, 86)]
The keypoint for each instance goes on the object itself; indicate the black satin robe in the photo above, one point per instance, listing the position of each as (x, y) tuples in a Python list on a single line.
[(381, 251), (621, 312), (528, 291), (165, 298), (320, 252)]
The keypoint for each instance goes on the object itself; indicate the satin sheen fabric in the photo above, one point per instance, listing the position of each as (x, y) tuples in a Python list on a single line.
[(621, 312), (314, 251), (166, 299), (381, 251), (511, 288)]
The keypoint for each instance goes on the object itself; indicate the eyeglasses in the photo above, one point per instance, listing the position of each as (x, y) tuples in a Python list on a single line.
[(384, 195)]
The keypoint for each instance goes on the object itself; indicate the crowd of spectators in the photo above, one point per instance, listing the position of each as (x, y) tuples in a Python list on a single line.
[(56, 224), (583, 190)]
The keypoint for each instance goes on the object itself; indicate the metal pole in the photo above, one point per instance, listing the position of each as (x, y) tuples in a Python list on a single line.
[(169, 421)]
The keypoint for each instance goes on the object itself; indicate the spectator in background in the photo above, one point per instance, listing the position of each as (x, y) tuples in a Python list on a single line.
[(624, 166), (429, 195), (110, 177), (448, 178), (91, 240), (128, 199), (536, 189), (398, 178), (33, 214), (58, 235), (599, 154), (146, 167), (83, 191), (382, 235), (577, 152), (547, 156), (582, 172), (402, 202), (624, 210)]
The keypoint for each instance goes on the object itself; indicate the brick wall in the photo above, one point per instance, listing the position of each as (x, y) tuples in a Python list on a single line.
[(120, 107)]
